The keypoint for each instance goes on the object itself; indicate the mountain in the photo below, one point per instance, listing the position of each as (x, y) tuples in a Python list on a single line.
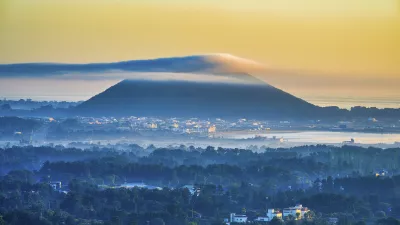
[(212, 85), (208, 85), (196, 99)]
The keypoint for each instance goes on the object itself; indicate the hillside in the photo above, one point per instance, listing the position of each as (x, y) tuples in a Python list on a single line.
[(195, 99)]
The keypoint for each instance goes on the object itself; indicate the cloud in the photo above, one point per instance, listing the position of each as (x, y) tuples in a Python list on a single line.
[(224, 65), (81, 81)]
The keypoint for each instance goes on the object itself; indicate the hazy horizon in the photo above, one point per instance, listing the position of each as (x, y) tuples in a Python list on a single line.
[(57, 91), (345, 102)]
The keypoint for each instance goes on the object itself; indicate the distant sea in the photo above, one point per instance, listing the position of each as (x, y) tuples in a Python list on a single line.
[(326, 137), (348, 102), (342, 102)]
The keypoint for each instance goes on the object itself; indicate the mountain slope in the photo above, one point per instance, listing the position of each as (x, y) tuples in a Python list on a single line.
[(195, 99)]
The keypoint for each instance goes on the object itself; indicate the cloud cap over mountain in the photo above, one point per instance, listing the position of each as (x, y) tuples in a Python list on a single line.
[(217, 64)]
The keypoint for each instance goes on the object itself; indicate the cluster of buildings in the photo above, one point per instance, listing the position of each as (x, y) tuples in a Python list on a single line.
[(178, 125), (194, 127), (211, 125), (297, 212)]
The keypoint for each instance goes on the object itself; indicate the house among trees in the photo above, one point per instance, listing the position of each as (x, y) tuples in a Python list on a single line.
[(271, 213), (236, 218), (297, 212)]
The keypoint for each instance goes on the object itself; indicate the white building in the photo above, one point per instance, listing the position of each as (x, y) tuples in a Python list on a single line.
[(262, 219), (153, 126), (236, 218), (271, 213), (297, 212)]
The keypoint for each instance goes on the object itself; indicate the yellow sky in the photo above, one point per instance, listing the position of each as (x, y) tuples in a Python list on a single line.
[(314, 40)]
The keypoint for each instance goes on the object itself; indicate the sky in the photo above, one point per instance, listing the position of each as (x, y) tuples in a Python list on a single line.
[(314, 49)]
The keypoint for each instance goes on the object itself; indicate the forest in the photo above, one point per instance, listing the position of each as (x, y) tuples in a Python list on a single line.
[(356, 185)]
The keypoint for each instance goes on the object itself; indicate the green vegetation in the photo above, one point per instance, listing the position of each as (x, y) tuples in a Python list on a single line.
[(332, 182)]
